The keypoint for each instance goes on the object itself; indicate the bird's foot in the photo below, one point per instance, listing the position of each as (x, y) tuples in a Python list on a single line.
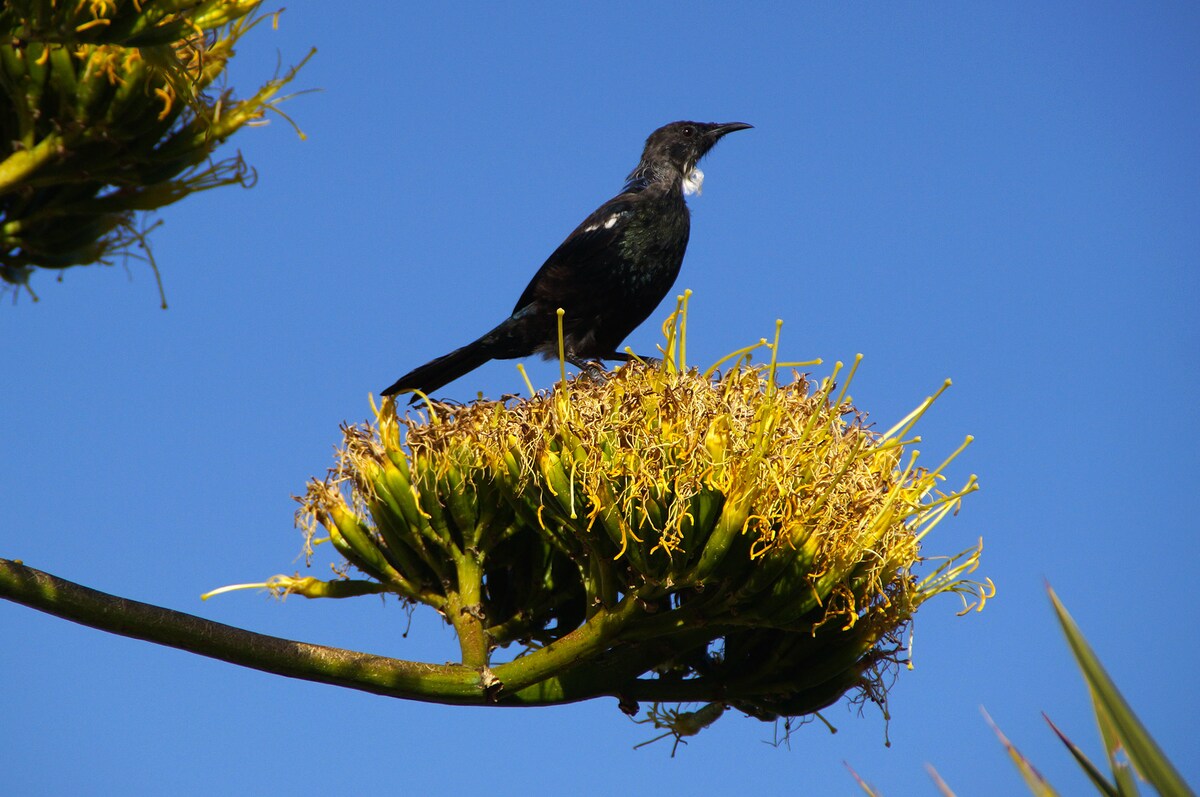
[(628, 357), (592, 367)]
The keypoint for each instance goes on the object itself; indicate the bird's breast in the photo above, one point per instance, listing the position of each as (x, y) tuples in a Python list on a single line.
[(656, 236)]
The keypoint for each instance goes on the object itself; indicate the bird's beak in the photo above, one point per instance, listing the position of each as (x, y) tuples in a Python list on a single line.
[(716, 131)]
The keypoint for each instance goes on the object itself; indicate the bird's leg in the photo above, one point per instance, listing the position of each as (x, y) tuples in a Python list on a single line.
[(589, 366), (627, 357)]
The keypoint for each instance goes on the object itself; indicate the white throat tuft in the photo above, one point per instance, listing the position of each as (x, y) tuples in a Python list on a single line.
[(693, 182)]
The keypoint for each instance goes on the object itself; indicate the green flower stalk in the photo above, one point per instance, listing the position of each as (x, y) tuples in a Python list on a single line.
[(105, 112), (657, 533)]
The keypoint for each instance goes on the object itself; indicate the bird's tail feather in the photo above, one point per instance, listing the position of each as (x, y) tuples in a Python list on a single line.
[(443, 370)]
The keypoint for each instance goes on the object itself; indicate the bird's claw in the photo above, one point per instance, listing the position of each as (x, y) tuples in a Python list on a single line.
[(592, 367)]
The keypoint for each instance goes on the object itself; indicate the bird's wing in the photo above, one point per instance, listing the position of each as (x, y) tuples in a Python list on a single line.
[(590, 245)]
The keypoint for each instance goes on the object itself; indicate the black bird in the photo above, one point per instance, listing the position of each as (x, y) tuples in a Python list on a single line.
[(608, 275)]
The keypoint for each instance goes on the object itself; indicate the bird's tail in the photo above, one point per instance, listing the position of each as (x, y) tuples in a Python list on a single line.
[(445, 369)]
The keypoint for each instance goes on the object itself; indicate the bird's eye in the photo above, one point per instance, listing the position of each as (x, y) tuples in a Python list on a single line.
[(689, 131)]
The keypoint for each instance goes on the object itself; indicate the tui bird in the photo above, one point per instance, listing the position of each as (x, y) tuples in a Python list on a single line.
[(608, 275)]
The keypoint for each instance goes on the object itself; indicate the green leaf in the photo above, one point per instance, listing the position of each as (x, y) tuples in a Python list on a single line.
[(1118, 724), (1093, 773)]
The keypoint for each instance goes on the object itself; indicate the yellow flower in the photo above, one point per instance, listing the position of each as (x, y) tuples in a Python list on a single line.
[(743, 537)]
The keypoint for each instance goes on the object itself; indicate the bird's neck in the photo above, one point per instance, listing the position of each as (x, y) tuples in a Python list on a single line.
[(663, 176)]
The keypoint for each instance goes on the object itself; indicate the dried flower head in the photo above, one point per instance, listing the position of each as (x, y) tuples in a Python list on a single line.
[(714, 536)]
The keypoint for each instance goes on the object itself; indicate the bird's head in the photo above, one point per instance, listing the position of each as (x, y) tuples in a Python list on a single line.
[(681, 145)]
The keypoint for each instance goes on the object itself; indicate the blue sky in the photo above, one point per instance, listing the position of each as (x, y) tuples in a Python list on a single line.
[(1007, 195)]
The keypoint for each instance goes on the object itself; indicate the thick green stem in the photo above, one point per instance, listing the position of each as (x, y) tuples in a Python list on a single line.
[(450, 683), (594, 636), (465, 610)]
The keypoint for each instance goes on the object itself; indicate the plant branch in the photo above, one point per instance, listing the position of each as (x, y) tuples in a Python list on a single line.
[(449, 683)]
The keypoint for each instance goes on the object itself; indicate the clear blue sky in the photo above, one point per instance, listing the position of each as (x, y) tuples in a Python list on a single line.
[(1007, 195)]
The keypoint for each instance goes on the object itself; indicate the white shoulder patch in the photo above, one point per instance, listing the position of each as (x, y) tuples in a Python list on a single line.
[(607, 224), (693, 183)]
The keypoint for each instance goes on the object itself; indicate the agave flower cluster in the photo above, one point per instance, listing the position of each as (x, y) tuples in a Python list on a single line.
[(656, 533), (103, 113)]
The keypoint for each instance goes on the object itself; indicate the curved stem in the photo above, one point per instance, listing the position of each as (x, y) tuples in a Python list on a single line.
[(587, 641), (449, 683)]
